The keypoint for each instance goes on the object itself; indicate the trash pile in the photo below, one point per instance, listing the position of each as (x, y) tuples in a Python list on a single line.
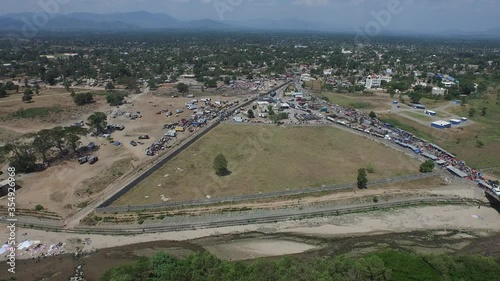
[(156, 147), (78, 276), (36, 249)]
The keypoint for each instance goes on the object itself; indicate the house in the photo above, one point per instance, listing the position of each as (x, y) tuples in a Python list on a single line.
[(373, 81), (305, 77), (438, 91), (455, 121)]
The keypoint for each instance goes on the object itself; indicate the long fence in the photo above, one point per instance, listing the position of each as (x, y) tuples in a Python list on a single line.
[(260, 196), (333, 211), (105, 205)]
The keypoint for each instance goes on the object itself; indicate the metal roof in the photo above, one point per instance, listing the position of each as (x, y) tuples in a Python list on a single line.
[(456, 171)]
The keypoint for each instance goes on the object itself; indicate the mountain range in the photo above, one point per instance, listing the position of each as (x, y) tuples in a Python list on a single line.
[(142, 20)]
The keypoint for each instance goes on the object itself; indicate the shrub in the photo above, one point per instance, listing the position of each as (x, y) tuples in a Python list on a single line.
[(38, 207), (83, 98), (427, 166)]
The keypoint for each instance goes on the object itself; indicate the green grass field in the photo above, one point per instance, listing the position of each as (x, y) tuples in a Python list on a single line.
[(464, 142), (268, 158), (419, 116)]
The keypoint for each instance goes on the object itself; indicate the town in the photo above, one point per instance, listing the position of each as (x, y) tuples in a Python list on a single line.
[(171, 132)]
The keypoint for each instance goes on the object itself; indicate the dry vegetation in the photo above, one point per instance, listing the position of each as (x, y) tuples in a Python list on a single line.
[(264, 159)]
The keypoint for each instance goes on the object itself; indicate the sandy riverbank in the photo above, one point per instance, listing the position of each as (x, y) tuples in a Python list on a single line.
[(399, 220)]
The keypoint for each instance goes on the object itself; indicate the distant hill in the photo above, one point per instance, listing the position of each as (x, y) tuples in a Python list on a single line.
[(146, 20)]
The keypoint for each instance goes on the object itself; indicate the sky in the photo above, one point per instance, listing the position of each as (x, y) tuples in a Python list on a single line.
[(414, 15)]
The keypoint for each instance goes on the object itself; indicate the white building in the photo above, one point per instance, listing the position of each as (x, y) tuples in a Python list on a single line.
[(439, 91), (346, 52), (373, 81), (305, 77), (327, 72)]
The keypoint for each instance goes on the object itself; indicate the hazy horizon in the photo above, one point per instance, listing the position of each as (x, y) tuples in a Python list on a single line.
[(419, 16)]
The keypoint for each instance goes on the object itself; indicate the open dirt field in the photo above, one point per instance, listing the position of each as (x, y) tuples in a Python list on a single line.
[(67, 186), (54, 107), (375, 102), (268, 158)]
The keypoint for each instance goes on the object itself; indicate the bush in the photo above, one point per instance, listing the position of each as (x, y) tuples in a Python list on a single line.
[(38, 207), (115, 99), (375, 199), (362, 179), (427, 166), (220, 165), (83, 98), (370, 168)]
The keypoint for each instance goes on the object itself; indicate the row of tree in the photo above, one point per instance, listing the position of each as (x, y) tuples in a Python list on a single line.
[(43, 145), (383, 266)]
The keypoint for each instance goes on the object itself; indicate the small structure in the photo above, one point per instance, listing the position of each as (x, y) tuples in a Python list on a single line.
[(430, 112), (456, 171), (179, 129), (429, 156), (237, 119), (464, 119), (455, 121), (441, 124), (171, 133), (4, 187), (440, 162), (419, 106)]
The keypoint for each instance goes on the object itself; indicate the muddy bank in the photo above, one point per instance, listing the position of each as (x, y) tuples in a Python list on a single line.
[(253, 245)]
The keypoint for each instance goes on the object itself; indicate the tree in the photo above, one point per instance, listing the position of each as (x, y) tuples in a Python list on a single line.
[(372, 115), (115, 99), (152, 84), (67, 85), (427, 166), (73, 136), (362, 178), (182, 88), (3, 92), (472, 112), (42, 143), (23, 159), (483, 111), (250, 114), (227, 80), (28, 95), (211, 83), (415, 97), (98, 121), (220, 165), (83, 98), (109, 86), (57, 135)]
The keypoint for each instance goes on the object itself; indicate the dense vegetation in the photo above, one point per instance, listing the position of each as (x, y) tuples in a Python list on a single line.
[(390, 265)]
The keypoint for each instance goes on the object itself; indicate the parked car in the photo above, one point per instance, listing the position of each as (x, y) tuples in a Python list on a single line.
[(93, 159), (83, 160), (144, 137), (179, 110), (133, 143)]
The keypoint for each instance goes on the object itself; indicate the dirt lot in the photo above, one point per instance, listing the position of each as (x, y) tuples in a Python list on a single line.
[(61, 110), (268, 158), (67, 186), (376, 102)]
